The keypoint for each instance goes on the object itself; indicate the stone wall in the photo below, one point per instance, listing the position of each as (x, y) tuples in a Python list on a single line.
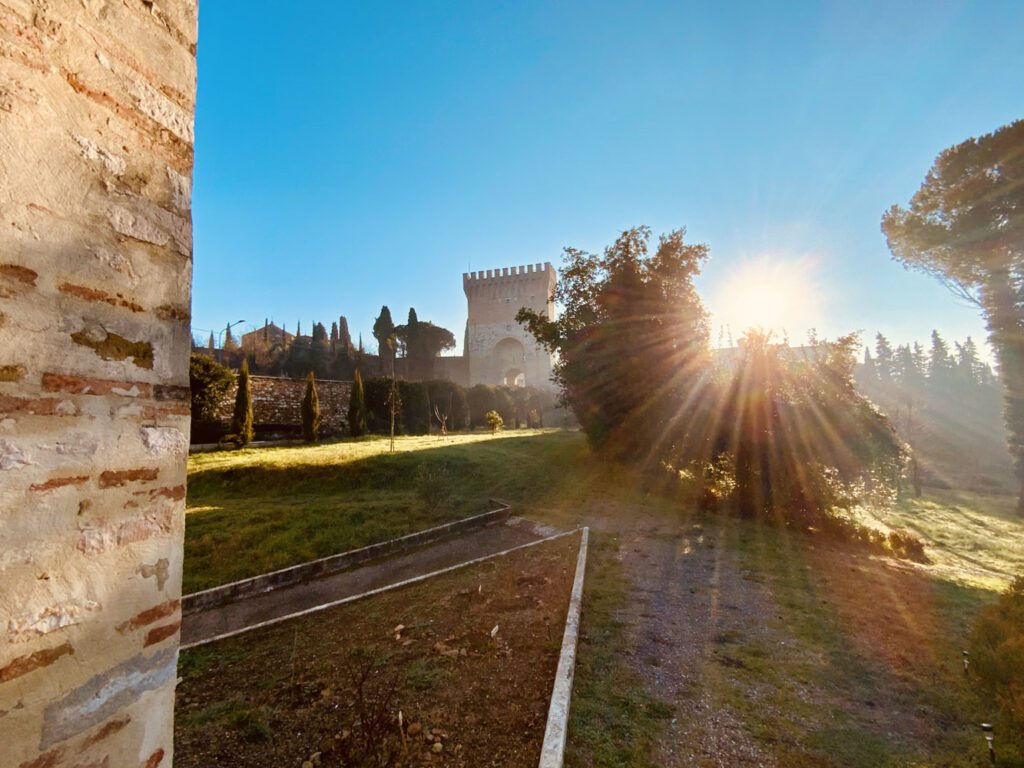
[(96, 105), (277, 403)]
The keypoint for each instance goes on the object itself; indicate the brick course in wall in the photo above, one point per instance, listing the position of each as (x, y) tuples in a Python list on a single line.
[(96, 105), (277, 402)]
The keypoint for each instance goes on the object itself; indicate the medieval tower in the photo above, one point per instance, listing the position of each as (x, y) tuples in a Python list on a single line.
[(498, 349)]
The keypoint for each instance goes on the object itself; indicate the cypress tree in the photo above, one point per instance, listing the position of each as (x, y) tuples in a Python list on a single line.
[(241, 421), (310, 410), (357, 407)]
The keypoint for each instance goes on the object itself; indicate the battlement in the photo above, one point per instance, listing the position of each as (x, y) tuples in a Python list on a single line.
[(542, 271)]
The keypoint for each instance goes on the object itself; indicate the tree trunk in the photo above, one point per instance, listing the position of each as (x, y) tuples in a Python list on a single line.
[(1006, 332)]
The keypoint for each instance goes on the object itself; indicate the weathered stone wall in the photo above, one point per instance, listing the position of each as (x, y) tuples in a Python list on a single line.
[(497, 347), (96, 105), (277, 402)]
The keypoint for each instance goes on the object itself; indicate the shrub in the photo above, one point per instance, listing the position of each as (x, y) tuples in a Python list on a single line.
[(242, 420), (310, 410), (209, 381), (494, 421), (481, 400), (449, 399), (378, 417), (433, 484), (505, 404), (357, 407), (415, 399), (997, 654)]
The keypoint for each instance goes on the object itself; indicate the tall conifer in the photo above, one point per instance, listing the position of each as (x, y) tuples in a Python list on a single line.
[(357, 407), (310, 410), (242, 420)]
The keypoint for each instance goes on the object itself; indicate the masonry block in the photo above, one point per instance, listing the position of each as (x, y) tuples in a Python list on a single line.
[(96, 106)]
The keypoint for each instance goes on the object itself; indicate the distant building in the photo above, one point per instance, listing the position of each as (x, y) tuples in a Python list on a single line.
[(267, 337), (498, 350)]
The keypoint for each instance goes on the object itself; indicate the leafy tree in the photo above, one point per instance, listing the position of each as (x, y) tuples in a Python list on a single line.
[(494, 421), (631, 340), (242, 419), (357, 407), (310, 410), (209, 381), (965, 227), (449, 404), (383, 331), (422, 342), (414, 397)]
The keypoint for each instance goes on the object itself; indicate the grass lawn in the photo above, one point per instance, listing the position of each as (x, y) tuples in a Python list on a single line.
[(257, 510), (801, 652)]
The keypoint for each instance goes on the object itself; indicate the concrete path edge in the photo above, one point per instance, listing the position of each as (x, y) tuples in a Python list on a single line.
[(379, 590), (553, 750), (314, 569)]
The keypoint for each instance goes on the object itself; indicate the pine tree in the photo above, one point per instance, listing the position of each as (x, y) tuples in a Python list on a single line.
[(229, 339), (967, 361), (357, 407), (334, 337), (210, 344), (869, 371), (310, 410), (940, 365), (883, 358), (344, 337), (242, 420)]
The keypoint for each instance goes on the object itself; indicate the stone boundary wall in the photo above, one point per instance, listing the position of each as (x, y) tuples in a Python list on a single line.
[(277, 402), (286, 577), (96, 106)]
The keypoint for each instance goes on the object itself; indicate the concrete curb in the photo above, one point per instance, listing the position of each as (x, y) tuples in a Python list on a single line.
[(553, 750), (379, 590), (296, 574)]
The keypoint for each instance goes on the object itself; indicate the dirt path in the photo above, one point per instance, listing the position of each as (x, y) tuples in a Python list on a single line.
[(690, 600), (205, 625)]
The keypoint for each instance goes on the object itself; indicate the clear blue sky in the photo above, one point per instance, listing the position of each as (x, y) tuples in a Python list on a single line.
[(350, 155)]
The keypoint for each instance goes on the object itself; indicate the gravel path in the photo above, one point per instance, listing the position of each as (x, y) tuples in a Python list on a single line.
[(690, 600)]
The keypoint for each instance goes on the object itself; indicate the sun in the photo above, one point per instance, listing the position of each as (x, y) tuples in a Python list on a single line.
[(777, 295)]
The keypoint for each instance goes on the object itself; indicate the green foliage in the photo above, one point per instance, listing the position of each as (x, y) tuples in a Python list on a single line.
[(965, 226), (449, 401), (997, 655), (481, 400), (242, 419), (494, 421), (505, 404), (384, 333), (357, 407), (631, 339), (422, 342), (310, 410), (208, 382), (433, 484), (415, 407), (377, 414)]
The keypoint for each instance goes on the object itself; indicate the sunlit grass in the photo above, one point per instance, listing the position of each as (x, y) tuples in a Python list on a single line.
[(261, 509), (972, 539)]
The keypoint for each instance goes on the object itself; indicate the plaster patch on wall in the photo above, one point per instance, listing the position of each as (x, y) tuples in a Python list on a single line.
[(114, 164), (104, 695), (163, 440), (33, 624), (112, 346), (13, 457)]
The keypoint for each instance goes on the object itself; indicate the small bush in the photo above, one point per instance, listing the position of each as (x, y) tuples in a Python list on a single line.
[(907, 546), (494, 421), (433, 484), (997, 654), (208, 381)]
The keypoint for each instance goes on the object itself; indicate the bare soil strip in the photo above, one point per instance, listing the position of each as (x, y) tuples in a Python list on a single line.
[(470, 655)]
